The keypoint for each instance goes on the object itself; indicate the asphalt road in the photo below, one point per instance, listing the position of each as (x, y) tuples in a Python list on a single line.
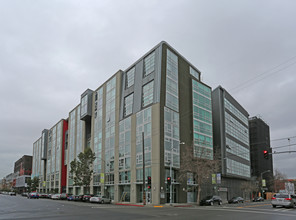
[(17, 207)]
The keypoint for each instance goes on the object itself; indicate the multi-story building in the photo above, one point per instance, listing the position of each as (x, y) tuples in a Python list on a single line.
[(231, 143), (23, 167), (260, 142), (48, 158), (140, 115)]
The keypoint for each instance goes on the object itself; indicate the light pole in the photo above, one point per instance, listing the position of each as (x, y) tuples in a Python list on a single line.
[(262, 180)]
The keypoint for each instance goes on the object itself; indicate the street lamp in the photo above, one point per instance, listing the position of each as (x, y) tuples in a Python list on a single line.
[(262, 179), (171, 168)]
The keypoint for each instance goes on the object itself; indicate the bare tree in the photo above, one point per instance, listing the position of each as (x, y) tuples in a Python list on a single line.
[(278, 180), (249, 187), (201, 168)]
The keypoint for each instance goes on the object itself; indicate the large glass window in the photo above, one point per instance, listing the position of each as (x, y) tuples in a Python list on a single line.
[(202, 121), (84, 105), (128, 104), (171, 138), (237, 168), (148, 93), (143, 126), (130, 78), (110, 127), (149, 64), (237, 149), (236, 112), (172, 95), (98, 126), (236, 129)]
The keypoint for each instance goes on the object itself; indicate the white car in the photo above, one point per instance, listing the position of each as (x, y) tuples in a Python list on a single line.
[(99, 199), (56, 196), (283, 199)]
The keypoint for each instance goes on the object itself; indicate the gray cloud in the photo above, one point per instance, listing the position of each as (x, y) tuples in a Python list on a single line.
[(51, 51)]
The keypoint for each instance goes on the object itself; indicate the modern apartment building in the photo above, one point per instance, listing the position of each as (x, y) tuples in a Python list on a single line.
[(259, 142), (48, 158), (159, 104), (231, 143)]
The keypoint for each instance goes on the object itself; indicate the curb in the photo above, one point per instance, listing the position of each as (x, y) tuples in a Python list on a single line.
[(129, 204)]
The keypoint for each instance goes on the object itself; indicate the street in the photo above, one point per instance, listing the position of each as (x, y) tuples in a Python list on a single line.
[(17, 207)]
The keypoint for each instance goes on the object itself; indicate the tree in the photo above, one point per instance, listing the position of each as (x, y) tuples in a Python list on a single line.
[(33, 184), (82, 168), (201, 168), (279, 180)]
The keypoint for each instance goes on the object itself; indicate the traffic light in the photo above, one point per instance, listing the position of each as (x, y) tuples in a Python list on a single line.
[(149, 187), (169, 180), (265, 154), (149, 180)]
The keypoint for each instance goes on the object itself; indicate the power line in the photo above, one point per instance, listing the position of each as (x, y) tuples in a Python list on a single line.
[(287, 138), (284, 146), (241, 86)]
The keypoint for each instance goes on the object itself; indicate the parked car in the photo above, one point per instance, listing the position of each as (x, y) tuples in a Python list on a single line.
[(12, 193), (43, 195), (33, 195), (100, 199), (258, 199), (283, 199), (64, 196), (85, 198), (78, 197), (70, 198), (211, 200), (56, 196), (25, 194), (236, 200)]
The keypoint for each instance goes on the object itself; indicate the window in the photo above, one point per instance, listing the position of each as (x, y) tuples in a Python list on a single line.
[(147, 94), (194, 73), (128, 104), (84, 105), (130, 78), (149, 63)]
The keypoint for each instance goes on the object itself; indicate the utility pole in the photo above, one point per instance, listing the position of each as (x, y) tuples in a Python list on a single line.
[(143, 148)]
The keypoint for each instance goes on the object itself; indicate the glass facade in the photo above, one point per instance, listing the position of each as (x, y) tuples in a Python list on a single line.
[(84, 105), (236, 129), (171, 138), (202, 120), (237, 149), (172, 99), (149, 64), (124, 150), (237, 168), (98, 129), (236, 112), (110, 130), (143, 125)]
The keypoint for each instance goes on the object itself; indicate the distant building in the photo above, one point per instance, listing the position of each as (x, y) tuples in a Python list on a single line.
[(259, 142), (23, 171), (23, 166), (231, 143)]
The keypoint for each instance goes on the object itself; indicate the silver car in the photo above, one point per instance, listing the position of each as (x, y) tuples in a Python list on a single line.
[(283, 199), (100, 199)]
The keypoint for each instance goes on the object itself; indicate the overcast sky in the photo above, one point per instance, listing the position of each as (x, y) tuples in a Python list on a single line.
[(52, 51)]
